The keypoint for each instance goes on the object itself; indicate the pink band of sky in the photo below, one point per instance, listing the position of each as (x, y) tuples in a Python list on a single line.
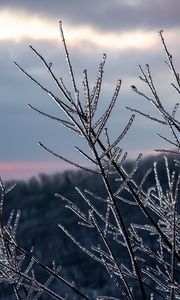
[(26, 169), (10, 170)]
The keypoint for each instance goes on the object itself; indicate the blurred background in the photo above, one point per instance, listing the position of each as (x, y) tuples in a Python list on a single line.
[(126, 30)]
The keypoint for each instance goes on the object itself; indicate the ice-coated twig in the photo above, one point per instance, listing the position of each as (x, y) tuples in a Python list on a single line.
[(95, 94), (146, 115), (75, 209), (48, 67), (119, 138), (158, 204), (65, 123), (76, 92), (170, 58), (44, 267), (108, 111), (113, 257), (167, 140), (124, 183), (86, 155), (95, 210), (176, 106), (55, 98), (67, 160), (88, 111)]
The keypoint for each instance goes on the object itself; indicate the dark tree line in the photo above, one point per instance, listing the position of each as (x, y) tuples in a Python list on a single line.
[(41, 211)]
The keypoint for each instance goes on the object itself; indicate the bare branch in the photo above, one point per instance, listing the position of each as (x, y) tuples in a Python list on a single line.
[(67, 160)]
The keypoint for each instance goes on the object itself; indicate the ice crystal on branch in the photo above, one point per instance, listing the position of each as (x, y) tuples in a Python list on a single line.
[(142, 259)]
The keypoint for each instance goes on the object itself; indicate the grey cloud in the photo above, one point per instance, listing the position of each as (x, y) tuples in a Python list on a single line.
[(23, 128), (106, 15)]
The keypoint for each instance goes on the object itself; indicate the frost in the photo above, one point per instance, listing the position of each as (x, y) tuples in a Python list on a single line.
[(142, 260)]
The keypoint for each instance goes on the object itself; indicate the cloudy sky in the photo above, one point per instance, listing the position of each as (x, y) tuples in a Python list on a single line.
[(126, 30)]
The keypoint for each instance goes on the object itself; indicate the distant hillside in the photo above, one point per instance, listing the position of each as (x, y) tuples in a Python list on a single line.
[(41, 212)]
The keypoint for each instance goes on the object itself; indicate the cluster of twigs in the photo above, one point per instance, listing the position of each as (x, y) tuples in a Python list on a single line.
[(153, 268)]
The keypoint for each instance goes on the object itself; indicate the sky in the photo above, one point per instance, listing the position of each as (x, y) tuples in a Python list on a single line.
[(126, 30)]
